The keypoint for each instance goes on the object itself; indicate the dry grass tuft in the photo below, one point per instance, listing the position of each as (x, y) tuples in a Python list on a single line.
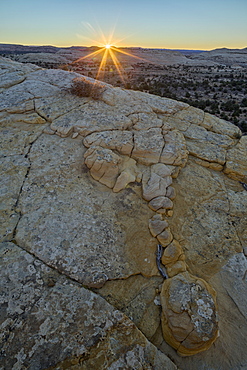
[(85, 88)]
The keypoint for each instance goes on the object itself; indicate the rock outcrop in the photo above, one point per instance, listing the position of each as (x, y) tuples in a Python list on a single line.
[(89, 189)]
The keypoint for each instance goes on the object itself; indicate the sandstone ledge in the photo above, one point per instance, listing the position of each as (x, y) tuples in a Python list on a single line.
[(137, 145)]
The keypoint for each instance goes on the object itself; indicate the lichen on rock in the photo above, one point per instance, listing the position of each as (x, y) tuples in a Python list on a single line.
[(165, 174), (189, 314)]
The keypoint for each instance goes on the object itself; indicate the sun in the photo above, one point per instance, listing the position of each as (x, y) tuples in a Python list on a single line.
[(108, 51)]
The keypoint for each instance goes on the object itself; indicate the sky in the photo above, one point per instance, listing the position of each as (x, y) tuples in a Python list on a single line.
[(173, 24)]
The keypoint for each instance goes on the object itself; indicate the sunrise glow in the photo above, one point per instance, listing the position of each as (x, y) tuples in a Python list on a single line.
[(108, 52)]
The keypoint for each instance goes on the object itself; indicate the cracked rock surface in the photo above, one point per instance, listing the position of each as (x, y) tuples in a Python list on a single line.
[(88, 190), (68, 326)]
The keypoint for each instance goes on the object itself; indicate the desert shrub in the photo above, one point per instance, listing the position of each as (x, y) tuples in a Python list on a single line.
[(85, 88)]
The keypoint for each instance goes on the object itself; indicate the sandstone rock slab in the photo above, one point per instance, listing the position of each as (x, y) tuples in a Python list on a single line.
[(202, 209), (74, 225), (175, 151), (155, 186), (90, 234), (148, 146), (13, 172), (235, 166), (122, 141), (51, 307), (93, 117)]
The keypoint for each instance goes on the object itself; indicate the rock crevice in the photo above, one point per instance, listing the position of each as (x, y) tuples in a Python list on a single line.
[(141, 150)]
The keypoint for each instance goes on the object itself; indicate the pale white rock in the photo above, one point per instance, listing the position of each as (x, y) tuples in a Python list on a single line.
[(175, 151), (160, 105), (191, 115), (148, 146), (209, 207), (220, 126), (161, 170), (88, 119), (77, 225), (58, 77), (16, 100), (123, 180), (48, 130), (155, 186), (13, 170), (236, 158), (52, 304), (145, 121), (108, 96), (129, 173), (8, 65), (135, 107), (17, 137), (28, 117), (115, 96), (212, 165), (160, 202), (183, 119), (200, 134), (174, 170), (11, 79), (38, 88), (207, 151), (96, 236), (174, 123), (52, 107), (104, 165), (122, 141)]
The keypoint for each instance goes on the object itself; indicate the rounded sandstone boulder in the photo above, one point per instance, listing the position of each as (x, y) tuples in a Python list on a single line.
[(189, 314)]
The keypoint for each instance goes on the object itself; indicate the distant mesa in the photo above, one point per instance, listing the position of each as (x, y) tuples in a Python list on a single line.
[(159, 56)]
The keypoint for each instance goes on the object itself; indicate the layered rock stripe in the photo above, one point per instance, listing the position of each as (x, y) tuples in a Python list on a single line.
[(192, 326), (131, 137)]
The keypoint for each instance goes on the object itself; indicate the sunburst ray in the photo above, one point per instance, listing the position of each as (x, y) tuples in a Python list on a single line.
[(117, 65), (108, 49), (102, 64), (89, 55)]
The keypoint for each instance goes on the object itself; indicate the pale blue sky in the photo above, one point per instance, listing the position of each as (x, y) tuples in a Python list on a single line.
[(175, 24)]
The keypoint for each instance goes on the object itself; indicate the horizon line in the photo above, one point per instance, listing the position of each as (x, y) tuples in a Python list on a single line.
[(119, 47)]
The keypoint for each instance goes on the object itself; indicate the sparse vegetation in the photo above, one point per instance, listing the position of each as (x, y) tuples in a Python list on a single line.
[(83, 87), (220, 90)]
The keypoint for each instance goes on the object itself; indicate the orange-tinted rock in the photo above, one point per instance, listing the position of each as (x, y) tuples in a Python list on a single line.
[(189, 314)]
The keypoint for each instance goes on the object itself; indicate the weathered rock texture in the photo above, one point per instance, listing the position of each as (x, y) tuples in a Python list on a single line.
[(165, 173)]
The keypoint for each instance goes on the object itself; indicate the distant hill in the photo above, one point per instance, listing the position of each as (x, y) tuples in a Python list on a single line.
[(159, 56), (224, 56), (145, 55), (189, 52), (21, 49), (16, 48)]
